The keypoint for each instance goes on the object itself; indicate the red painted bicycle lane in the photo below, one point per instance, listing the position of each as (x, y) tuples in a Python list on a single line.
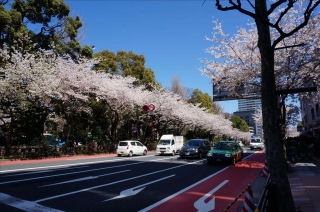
[(238, 177)]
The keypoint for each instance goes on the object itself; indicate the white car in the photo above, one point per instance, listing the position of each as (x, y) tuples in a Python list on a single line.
[(130, 148), (256, 143)]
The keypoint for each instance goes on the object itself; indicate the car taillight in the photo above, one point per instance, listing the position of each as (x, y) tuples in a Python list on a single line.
[(128, 147)]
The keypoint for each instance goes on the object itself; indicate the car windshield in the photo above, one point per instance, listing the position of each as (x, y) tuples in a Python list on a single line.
[(255, 141), (51, 139), (223, 146), (123, 143), (164, 142), (193, 143)]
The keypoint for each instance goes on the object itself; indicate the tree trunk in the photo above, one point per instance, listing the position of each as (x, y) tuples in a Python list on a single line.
[(114, 127), (282, 114), (271, 119)]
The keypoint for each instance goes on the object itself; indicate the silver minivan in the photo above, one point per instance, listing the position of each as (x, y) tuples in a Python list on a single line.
[(256, 143)]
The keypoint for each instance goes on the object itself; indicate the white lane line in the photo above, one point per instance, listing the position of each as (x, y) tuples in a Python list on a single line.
[(185, 189), (90, 157), (44, 171), (104, 185), (84, 178), (64, 165), (179, 192), (56, 175), (24, 204)]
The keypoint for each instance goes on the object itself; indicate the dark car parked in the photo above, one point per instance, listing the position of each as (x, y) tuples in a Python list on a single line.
[(197, 148), (225, 151)]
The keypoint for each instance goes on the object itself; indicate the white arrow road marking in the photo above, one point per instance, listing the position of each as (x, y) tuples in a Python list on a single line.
[(132, 191), (103, 185), (84, 178), (24, 204), (200, 204)]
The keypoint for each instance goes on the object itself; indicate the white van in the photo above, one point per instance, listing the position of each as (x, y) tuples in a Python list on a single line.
[(169, 144)]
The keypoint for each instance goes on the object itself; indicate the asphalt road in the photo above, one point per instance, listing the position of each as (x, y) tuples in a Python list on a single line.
[(110, 183)]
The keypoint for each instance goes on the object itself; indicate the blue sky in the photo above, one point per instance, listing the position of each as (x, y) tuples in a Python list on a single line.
[(170, 34)]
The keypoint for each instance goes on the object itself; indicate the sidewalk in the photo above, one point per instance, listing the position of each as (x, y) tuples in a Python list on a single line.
[(304, 182), (305, 185)]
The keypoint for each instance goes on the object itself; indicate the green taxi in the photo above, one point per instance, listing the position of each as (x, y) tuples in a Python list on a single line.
[(225, 151)]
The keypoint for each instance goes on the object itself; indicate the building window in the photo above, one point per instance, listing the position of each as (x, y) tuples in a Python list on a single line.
[(312, 113)]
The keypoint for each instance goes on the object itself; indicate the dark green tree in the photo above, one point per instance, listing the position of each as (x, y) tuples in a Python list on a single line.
[(239, 123), (126, 64), (35, 24), (198, 97), (205, 99)]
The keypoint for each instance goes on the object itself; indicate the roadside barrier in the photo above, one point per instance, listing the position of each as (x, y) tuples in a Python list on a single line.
[(248, 201), (227, 208), (268, 198), (265, 171)]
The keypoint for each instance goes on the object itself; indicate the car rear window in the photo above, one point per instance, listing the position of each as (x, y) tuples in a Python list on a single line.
[(123, 143), (223, 146), (255, 141), (194, 143)]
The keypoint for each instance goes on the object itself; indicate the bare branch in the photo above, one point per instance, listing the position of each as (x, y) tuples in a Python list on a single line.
[(307, 15), (249, 2), (3, 2), (275, 5), (285, 47), (235, 7)]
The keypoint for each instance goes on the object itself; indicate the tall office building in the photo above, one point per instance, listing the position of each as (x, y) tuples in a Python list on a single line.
[(248, 104), (246, 109)]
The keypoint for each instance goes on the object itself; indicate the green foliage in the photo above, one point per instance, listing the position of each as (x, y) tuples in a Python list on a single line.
[(53, 24), (206, 101), (239, 123), (198, 97), (126, 64)]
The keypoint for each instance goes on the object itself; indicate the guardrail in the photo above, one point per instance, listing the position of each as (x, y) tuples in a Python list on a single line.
[(263, 203), (229, 206)]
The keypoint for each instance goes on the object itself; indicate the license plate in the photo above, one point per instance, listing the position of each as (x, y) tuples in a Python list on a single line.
[(187, 153), (218, 159), (162, 152), (122, 152)]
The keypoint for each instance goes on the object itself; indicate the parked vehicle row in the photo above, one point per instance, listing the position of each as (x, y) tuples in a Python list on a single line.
[(222, 152)]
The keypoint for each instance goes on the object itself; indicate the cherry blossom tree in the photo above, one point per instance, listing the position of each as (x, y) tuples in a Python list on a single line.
[(58, 84), (274, 53)]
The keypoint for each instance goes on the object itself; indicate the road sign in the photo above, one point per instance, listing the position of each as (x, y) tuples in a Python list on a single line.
[(151, 107)]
